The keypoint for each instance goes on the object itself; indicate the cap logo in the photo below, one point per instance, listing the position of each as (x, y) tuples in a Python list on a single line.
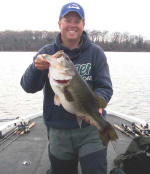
[(74, 6)]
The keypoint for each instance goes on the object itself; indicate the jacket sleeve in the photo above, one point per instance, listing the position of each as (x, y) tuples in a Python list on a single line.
[(33, 79), (101, 76)]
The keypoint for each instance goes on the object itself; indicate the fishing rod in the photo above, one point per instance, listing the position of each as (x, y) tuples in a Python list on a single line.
[(8, 136), (16, 137), (122, 130), (129, 130), (18, 133), (143, 129), (136, 129), (17, 128), (146, 129)]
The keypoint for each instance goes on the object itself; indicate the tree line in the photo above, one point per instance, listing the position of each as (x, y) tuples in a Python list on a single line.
[(34, 40)]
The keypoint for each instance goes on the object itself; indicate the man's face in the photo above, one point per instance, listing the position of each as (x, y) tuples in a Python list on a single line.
[(71, 26)]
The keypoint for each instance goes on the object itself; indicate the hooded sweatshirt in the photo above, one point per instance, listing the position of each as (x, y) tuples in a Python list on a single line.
[(91, 64)]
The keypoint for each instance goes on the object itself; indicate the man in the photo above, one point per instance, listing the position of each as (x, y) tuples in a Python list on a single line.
[(68, 143)]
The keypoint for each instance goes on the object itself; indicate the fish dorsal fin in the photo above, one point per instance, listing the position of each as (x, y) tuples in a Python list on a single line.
[(102, 102)]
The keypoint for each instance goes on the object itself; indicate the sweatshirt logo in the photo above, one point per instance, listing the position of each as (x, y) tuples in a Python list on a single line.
[(84, 70)]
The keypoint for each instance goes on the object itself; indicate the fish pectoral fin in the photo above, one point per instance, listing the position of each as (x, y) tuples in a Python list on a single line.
[(102, 102), (68, 95), (57, 100), (79, 120)]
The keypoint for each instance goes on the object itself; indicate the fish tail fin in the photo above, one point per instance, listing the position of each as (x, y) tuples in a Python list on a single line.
[(108, 134)]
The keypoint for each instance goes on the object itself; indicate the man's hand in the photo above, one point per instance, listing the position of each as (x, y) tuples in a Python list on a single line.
[(91, 122), (40, 63)]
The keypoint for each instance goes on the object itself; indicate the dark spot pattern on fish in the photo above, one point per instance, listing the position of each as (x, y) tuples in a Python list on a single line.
[(68, 94)]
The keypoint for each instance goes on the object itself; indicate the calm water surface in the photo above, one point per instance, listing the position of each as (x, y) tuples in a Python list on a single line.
[(131, 82), (130, 74)]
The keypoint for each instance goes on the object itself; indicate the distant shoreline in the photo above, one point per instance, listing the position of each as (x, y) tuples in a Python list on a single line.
[(33, 40)]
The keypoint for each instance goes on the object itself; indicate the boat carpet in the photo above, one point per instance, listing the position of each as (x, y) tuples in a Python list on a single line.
[(29, 153)]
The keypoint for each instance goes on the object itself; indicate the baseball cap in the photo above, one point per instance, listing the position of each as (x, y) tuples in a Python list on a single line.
[(72, 6)]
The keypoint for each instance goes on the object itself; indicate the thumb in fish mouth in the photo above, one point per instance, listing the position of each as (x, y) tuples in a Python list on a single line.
[(90, 121)]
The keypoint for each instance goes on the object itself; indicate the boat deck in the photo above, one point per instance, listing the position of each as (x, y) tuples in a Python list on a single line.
[(28, 153)]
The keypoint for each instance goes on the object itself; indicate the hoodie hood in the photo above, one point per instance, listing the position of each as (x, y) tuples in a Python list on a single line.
[(76, 51)]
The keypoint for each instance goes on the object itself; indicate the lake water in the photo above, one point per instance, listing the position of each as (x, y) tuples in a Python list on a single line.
[(130, 74)]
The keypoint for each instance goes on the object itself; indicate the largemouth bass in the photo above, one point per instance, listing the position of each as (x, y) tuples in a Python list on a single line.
[(75, 95)]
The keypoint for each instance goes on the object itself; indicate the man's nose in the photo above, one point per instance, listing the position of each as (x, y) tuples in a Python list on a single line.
[(72, 24)]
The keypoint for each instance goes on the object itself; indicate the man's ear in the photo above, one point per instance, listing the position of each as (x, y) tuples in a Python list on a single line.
[(59, 23), (84, 23)]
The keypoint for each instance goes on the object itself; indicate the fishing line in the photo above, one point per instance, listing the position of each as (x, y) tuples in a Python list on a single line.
[(8, 136), (3, 148)]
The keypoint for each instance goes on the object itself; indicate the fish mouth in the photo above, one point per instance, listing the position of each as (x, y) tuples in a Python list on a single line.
[(62, 81)]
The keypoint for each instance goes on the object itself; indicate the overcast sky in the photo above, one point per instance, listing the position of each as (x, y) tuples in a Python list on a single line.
[(130, 16)]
